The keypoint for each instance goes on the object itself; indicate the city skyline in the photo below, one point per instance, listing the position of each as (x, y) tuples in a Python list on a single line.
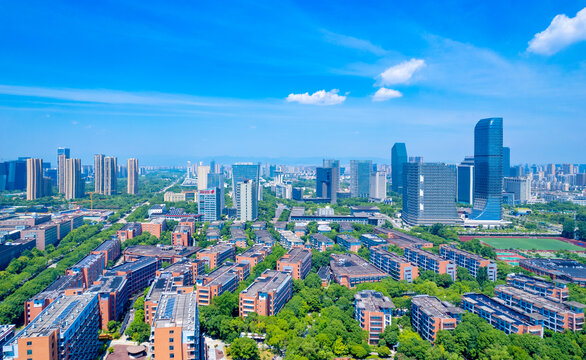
[(191, 78)]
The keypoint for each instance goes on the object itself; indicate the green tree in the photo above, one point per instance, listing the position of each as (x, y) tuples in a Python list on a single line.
[(244, 349), (313, 281), (339, 347)]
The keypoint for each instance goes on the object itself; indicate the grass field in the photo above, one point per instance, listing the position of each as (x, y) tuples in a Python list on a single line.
[(529, 244)]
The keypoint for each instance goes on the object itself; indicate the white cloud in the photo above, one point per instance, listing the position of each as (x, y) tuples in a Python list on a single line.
[(320, 97), (562, 32), (401, 73), (383, 94), (353, 43)]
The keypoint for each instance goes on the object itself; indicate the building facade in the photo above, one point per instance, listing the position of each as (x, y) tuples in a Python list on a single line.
[(398, 158), (132, 185)]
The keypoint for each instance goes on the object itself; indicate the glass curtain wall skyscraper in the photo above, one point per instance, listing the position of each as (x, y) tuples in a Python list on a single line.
[(398, 158), (360, 171), (328, 180), (242, 172), (488, 170)]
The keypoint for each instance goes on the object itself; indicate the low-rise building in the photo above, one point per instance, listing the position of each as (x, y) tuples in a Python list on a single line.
[(140, 273), (113, 297), (554, 290), (468, 260), (254, 255), (129, 230), (186, 269), (217, 254), (321, 242), (370, 240), (430, 315), (161, 253), (225, 278), (181, 236), (267, 295), (557, 269), (325, 274), (111, 250), (264, 237), (349, 242), (297, 262), (430, 261), (212, 234), (289, 240), (401, 239), (350, 270), (373, 312), (238, 237), (396, 266), (155, 227)]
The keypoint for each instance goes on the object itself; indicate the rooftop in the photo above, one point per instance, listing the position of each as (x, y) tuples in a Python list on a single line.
[(131, 226), (89, 260), (571, 268), (542, 302), (390, 255), (106, 245), (256, 249), (154, 250), (182, 229), (177, 310), (220, 275), (497, 308), (108, 284), (268, 281), (349, 238), (426, 254), (353, 265), (318, 237), (295, 255), (433, 307), (132, 265), (218, 248), (464, 253), (62, 283), (371, 300)]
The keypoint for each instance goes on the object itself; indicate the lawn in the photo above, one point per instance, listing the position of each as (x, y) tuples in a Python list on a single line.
[(529, 244)]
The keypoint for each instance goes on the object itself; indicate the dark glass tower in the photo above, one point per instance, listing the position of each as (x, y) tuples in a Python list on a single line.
[(398, 158), (360, 171), (506, 161), (488, 169), (328, 180)]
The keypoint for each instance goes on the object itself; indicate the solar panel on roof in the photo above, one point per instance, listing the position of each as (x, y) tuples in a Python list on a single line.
[(169, 307), (65, 312)]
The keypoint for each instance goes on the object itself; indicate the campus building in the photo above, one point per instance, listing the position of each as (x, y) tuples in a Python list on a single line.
[(155, 227), (289, 240), (430, 261), (370, 240), (91, 267), (321, 242), (113, 297), (267, 295), (430, 315), (181, 236), (254, 255), (350, 270), (349, 242), (160, 253), (111, 250), (162, 285), (297, 262), (400, 239), (554, 290), (129, 231), (373, 312), (468, 260), (557, 269), (225, 278), (217, 254), (396, 266), (140, 273)]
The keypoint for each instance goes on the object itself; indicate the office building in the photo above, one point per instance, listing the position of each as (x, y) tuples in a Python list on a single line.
[(502, 317), (67, 329), (248, 201), (13, 175), (468, 260), (111, 250), (209, 205), (398, 158), (429, 194), (558, 316), (254, 255), (110, 179), (321, 242), (202, 176), (217, 254), (176, 331), (506, 161), (34, 179), (396, 266), (62, 156), (557, 269), (267, 295), (334, 165), (181, 236), (554, 290), (74, 185), (216, 180), (430, 315), (378, 186), (324, 183), (297, 262), (139, 273), (488, 170), (465, 173), (112, 298), (519, 187), (132, 185), (44, 234), (360, 172), (350, 270), (240, 173), (373, 312), (430, 261), (349, 242)]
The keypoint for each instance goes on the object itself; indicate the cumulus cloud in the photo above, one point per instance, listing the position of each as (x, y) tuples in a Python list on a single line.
[(401, 73), (383, 94), (320, 97), (561, 33)]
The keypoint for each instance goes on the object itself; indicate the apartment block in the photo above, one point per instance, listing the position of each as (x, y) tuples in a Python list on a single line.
[(401, 239), (129, 231), (554, 290), (264, 237), (217, 254), (64, 285), (430, 315), (350, 270), (67, 329), (161, 253), (468, 260), (348, 242), (267, 294), (373, 312), (254, 255), (111, 250), (502, 317), (430, 261), (155, 227), (181, 236), (176, 331), (238, 237), (559, 316), (140, 273), (91, 267), (225, 278), (113, 297), (396, 266), (289, 240), (297, 262), (370, 240)]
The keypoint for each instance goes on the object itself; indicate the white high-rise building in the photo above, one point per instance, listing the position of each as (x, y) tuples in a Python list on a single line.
[(248, 200), (202, 176), (520, 188), (378, 185)]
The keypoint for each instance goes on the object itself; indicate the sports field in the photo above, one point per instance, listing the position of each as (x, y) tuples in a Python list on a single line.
[(529, 244)]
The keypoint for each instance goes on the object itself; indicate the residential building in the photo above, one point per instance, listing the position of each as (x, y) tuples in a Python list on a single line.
[(398, 158), (465, 172), (155, 227), (430, 315), (129, 231), (468, 260), (296, 261), (181, 236), (502, 317), (139, 273), (74, 185), (112, 298), (132, 185), (99, 173), (110, 179), (62, 156), (163, 284), (350, 270), (209, 204), (554, 290), (267, 295), (34, 179), (360, 172), (217, 254), (6, 333), (429, 194), (488, 170), (430, 261), (348, 242), (248, 200), (254, 255), (321, 242), (396, 266), (373, 312)]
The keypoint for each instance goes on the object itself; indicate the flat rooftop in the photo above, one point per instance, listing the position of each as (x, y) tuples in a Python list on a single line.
[(352, 265), (182, 229), (371, 300), (153, 250), (433, 307), (218, 248), (536, 280), (571, 268), (319, 237), (498, 309), (427, 254), (132, 265), (221, 275), (465, 253), (269, 281), (108, 284), (62, 283), (106, 245), (131, 226), (177, 310), (349, 238), (390, 255), (296, 255), (160, 286), (398, 235), (542, 302), (237, 233), (89, 260), (256, 249), (297, 211)]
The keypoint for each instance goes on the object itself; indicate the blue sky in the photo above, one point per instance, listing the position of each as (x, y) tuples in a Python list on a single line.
[(169, 81)]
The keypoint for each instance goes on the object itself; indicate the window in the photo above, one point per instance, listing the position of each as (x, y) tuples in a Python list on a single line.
[(171, 347), (29, 352), (171, 331), (29, 343), (171, 340)]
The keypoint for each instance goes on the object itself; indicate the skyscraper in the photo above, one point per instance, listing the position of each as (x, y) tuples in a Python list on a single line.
[(248, 209), (465, 172), (110, 178), (241, 172), (62, 155), (398, 158), (324, 183), (74, 186), (202, 176), (488, 169), (209, 204), (99, 173), (132, 186), (429, 194), (360, 171), (506, 161), (216, 180), (378, 185), (335, 184), (34, 179)]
